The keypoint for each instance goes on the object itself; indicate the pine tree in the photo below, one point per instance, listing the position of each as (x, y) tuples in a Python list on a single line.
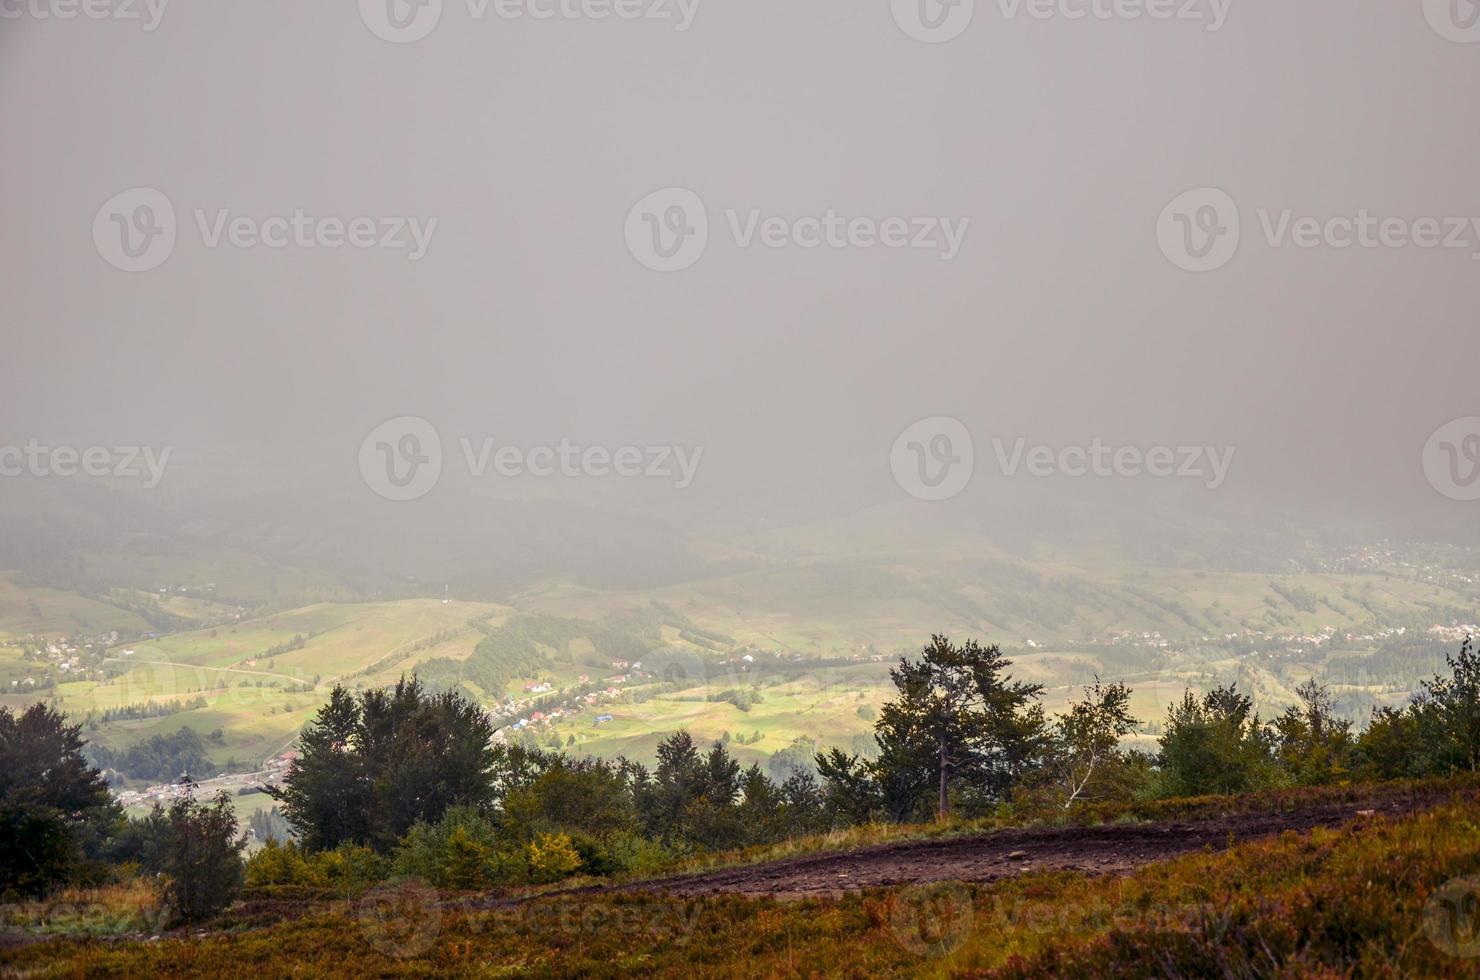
[(51, 799), (960, 722)]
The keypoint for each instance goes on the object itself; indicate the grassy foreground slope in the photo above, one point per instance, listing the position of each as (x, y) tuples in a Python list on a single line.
[(1376, 898)]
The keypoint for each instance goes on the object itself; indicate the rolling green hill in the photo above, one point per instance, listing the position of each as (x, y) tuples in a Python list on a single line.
[(821, 614)]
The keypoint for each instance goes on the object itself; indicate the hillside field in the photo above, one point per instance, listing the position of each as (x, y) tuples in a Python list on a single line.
[(822, 633)]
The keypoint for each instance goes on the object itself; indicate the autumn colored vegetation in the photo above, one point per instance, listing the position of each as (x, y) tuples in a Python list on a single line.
[(1378, 898), (422, 845)]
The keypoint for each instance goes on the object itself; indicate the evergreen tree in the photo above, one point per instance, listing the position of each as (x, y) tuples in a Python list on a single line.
[(1313, 745), (1389, 746), (1215, 745), (960, 722), (369, 769), (326, 795), (711, 815), (676, 780), (1447, 712), (52, 801), (849, 792)]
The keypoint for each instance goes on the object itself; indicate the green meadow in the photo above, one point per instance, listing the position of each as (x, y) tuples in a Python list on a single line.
[(30, 609)]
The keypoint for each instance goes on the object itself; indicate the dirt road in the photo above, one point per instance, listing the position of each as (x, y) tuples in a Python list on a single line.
[(1004, 853)]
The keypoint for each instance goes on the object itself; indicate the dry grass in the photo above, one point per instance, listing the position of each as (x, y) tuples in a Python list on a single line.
[(130, 907), (1380, 898)]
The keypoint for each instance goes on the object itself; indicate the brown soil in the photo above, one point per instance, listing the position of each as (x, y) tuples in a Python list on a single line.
[(1005, 853)]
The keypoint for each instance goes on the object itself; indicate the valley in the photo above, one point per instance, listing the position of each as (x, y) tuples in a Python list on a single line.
[(778, 661)]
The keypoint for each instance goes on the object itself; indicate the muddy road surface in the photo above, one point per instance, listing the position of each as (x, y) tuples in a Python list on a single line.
[(1005, 853)]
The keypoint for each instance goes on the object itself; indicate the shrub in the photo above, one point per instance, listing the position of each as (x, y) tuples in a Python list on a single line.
[(466, 861), (202, 857), (460, 851), (1215, 745), (277, 864), (590, 795), (349, 868), (598, 857), (634, 854), (552, 857)]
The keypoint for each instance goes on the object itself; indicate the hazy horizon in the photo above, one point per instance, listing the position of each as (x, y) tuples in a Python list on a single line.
[(1051, 148)]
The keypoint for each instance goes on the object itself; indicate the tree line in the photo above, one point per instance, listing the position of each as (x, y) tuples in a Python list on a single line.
[(961, 736), (160, 758)]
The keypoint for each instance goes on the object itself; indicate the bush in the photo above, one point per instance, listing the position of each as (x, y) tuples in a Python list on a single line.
[(598, 857), (277, 864), (201, 857), (466, 862), (552, 857), (1214, 746), (460, 851), (634, 854), (349, 868)]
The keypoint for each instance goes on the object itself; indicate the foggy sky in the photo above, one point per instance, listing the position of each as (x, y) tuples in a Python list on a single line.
[(528, 320)]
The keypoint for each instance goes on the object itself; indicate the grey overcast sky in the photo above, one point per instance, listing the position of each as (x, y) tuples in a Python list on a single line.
[(529, 318)]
